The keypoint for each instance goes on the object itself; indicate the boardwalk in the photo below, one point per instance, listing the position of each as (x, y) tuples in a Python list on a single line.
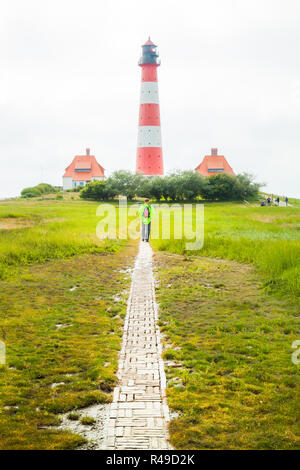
[(139, 412)]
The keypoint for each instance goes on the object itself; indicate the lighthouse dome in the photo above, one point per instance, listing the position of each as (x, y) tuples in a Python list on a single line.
[(149, 53)]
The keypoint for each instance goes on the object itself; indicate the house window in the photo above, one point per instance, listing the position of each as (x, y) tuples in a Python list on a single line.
[(81, 183), (74, 184), (215, 169)]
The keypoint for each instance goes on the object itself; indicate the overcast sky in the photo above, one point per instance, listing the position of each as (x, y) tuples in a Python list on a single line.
[(230, 78)]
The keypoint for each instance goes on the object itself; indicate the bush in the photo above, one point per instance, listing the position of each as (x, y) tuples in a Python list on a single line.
[(59, 196), (38, 190), (73, 416), (178, 186), (87, 420), (98, 191), (30, 192), (223, 187)]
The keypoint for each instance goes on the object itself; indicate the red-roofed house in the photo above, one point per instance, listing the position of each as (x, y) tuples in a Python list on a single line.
[(213, 164), (82, 170)]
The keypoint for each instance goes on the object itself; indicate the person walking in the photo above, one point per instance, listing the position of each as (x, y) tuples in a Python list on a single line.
[(146, 212), (278, 200), (286, 201)]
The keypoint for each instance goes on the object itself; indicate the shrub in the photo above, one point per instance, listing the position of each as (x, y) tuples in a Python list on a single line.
[(73, 416), (178, 186), (87, 420), (98, 191), (38, 190), (30, 192), (59, 196), (225, 187)]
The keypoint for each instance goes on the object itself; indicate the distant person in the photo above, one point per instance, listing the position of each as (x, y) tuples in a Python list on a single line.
[(146, 213), (286, 201), (269, 200), (278, 200)]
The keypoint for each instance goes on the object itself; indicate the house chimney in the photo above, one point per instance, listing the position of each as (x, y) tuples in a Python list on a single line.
[(214, 151), (87, 151)]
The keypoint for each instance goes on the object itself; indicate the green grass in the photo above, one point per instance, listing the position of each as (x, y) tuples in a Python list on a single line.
[(87, 420), (54, 230), (55, 335), (61, 343), (267, 237), (236, 387)]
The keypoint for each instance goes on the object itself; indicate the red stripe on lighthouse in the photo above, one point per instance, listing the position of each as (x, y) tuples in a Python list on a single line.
[(149, 161), (149, 114), (149, 73)]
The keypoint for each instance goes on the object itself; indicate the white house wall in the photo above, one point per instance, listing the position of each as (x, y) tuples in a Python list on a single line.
[(67, 182)]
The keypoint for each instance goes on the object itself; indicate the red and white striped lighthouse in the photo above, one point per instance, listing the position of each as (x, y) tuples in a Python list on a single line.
[(149, 159)]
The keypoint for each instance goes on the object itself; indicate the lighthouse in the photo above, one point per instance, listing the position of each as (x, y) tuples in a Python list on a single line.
[(149, 159)]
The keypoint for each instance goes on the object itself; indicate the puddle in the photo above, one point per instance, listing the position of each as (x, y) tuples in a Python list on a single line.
[(120, 297), (57, 384), (62, 325), (94, 433), (172, 364), (174, 414), (126, 270)]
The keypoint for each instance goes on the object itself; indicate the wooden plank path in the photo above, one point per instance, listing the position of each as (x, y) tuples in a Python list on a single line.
[(139, 412)]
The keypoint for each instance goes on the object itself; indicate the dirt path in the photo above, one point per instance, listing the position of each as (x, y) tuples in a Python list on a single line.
[(139, 412)]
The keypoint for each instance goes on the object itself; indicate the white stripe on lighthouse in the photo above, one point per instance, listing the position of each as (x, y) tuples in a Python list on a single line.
[(149, 92), (149, 136)]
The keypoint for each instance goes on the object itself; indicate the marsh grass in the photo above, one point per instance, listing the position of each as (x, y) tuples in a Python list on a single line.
[(62, 344), (58, 230), (237, 387), (267, 237), (58, 318)]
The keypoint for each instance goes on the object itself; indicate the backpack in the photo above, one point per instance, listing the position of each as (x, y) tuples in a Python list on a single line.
[(146, 212)]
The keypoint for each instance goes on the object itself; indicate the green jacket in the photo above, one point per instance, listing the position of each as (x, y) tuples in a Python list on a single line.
[(146, 220)]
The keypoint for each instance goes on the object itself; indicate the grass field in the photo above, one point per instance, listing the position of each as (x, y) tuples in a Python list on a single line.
[(229, 314), (267, 237), (59, 318), (228, 352), (39, 231), (229, 329)]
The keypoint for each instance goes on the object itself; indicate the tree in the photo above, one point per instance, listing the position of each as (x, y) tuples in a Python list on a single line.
[(178, 186), (224, 187), (98, 191), (125, 183)]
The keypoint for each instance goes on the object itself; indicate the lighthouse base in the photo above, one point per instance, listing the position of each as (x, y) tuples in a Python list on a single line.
[(149, 161)]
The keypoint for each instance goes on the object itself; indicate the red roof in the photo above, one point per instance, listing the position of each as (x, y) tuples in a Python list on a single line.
[(216, 164), (84, 162), (149, 43)]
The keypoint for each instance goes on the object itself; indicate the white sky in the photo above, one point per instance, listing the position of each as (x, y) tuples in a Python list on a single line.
[(230, 78)]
